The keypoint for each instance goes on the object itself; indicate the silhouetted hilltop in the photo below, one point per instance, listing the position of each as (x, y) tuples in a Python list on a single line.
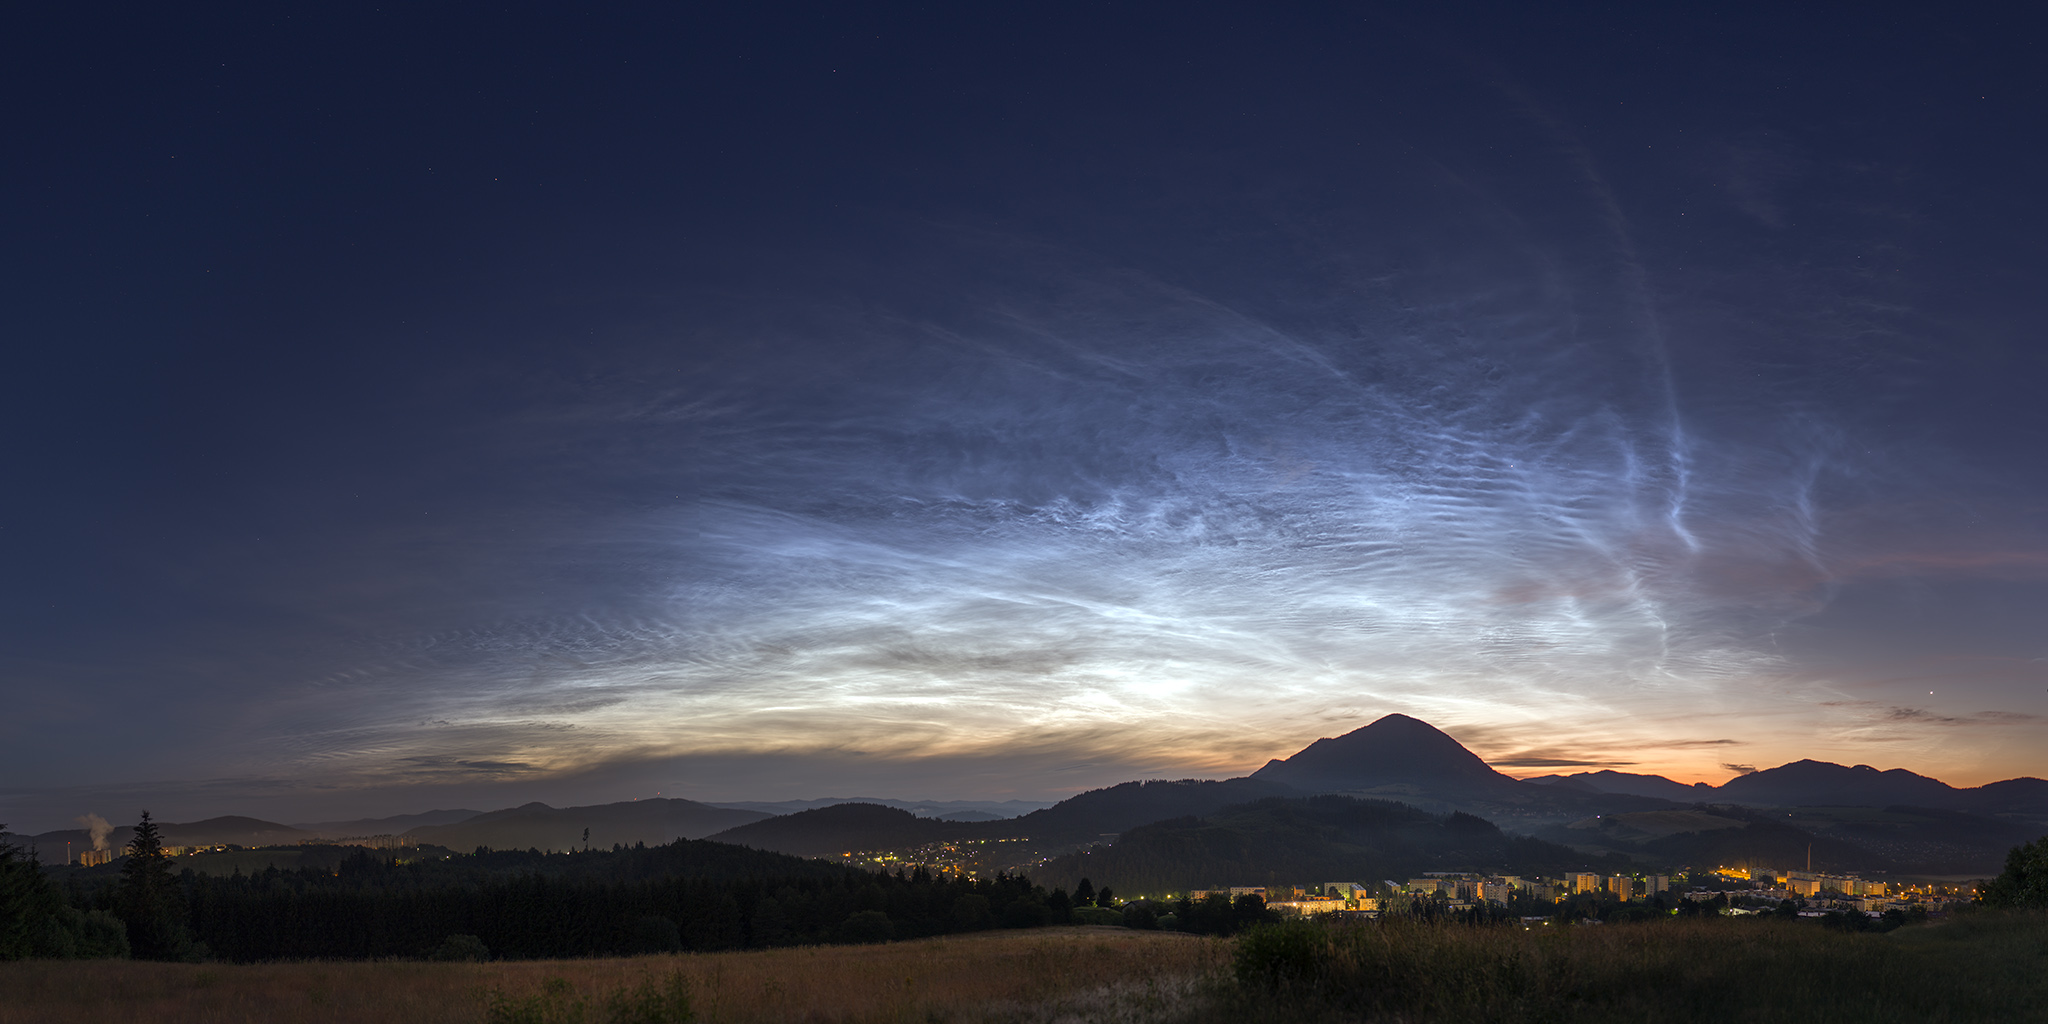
[(1821, 784), (953, 810), (841, 828), (1610, 781)]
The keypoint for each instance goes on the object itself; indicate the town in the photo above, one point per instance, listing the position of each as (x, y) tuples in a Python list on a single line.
[(1734, 891)]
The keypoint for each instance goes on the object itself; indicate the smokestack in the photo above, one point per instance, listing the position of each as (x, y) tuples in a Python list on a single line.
[(99, 828)]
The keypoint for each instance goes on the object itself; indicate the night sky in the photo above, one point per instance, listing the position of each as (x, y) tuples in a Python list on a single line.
[(410, 409)]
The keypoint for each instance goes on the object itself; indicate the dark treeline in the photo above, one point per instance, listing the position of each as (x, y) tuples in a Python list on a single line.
[(688, 895)]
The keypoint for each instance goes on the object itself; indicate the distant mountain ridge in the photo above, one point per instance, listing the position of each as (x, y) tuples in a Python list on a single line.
[(394, 825), (538, 826), (1809, 783)]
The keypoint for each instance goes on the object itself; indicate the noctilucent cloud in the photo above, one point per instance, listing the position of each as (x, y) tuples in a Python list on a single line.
[(406, 411)]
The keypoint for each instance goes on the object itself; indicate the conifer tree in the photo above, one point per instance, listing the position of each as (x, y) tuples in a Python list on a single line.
[(149, 899)]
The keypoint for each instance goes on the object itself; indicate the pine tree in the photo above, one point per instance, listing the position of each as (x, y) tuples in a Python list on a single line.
[(149, 900)]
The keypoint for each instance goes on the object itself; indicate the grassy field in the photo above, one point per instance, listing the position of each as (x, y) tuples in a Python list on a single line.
[(1980, 967), (1966, 969), (1083, 973)]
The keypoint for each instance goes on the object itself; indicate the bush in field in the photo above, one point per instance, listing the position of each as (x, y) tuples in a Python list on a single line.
[(650, 1002), (1284, 956), (1097, 915), (2025, 880)]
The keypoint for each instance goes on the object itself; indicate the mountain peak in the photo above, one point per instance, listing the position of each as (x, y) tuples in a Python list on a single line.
[(1395, 750)]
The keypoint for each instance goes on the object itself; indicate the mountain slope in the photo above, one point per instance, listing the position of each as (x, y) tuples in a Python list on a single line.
[(2023, 799), (394, 825), (1306, 840), (1090, 816)]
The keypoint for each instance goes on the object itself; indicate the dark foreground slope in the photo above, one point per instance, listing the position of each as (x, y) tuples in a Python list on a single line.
[(1312, 839)]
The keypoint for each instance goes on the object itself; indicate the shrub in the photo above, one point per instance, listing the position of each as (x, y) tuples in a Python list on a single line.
[(651, 1002), (1275, 956), (1097, 915)]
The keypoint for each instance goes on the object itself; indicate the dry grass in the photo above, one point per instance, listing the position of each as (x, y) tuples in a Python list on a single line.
[(1041, 975), (1979, 967)]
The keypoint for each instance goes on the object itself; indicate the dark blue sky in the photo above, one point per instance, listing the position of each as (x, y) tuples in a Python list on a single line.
[(409, 408)]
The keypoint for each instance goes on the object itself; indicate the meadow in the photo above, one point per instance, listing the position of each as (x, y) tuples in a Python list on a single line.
[(1079, 973), (1968, 968), (1986, 966)]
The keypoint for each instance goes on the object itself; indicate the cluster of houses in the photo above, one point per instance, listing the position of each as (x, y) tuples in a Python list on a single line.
[(1462, 890), (1455, 889)]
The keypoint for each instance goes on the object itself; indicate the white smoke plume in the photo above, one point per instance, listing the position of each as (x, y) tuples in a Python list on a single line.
[(99, 828)]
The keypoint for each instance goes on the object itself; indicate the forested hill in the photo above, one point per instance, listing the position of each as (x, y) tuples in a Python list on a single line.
[(1313, 839), (841, 828)]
